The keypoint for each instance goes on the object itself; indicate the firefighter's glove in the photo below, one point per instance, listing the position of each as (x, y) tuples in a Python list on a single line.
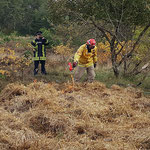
[(95, 64), (44, 40), (75, 64)]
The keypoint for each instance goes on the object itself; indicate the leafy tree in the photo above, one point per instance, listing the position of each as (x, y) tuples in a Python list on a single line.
[(24, 16), (34, 16), (10, 14), (49, 35), (116, 20)]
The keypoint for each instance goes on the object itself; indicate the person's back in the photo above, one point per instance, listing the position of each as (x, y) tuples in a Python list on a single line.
[(86, 58)]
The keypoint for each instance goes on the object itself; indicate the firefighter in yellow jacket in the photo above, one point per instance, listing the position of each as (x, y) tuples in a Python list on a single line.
[(86, 59)]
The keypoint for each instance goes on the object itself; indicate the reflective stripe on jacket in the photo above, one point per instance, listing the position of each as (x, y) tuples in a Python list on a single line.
[(39, 49), (85, 58)]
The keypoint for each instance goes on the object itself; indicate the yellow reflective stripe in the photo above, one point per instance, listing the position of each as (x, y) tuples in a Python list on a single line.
[(36, 48), (43, 51), (35, 58), (36, 54), (39, 58), (46, 42), (42, 58)]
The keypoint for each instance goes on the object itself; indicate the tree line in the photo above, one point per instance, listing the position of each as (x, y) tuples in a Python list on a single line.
[(74, 21), (23, 16)]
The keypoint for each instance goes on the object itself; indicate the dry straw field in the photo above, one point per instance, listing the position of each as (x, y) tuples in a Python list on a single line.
[(88, 116)]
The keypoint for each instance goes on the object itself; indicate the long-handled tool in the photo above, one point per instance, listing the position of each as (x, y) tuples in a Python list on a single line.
[(71, 70)]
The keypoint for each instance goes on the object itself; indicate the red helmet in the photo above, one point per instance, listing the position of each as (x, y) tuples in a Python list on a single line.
[(91, 42)]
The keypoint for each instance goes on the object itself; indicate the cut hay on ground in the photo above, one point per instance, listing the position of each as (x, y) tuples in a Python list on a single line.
[(49, 116)]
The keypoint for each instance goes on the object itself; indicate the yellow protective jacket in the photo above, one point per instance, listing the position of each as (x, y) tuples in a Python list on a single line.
[(84, 58)]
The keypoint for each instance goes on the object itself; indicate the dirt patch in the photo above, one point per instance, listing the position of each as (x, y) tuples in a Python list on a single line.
[(43, 125)]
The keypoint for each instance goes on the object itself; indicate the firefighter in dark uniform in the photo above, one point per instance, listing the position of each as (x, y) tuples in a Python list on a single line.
[(39, 52)]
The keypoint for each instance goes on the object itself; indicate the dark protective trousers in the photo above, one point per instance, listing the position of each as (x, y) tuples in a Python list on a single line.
[(36, 65)]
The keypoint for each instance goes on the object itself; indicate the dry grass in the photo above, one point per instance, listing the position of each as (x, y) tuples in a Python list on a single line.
[(50, 116)]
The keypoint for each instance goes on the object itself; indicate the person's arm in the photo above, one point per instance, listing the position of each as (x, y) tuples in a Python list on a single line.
[(95, 57), (33, 43), (45, 41), (78, 54)]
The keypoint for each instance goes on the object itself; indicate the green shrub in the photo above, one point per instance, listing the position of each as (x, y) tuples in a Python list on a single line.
[(48, 34), (1, 35), (14, 34), (6, 39), (2, 76), (27, 54)]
